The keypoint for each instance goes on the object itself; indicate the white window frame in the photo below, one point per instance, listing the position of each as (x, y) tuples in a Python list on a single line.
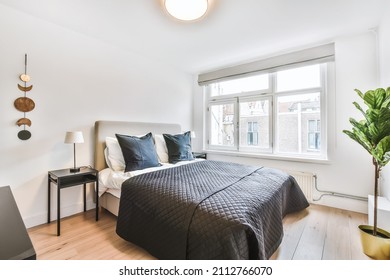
[(272, 95), (323, 113), (252, 133), (255, 149), (223, 101), (314, 132)]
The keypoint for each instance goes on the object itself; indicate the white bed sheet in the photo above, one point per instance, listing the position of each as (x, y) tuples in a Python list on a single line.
[(110, 181)]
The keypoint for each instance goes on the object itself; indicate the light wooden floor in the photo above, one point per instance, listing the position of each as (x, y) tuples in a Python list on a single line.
[(316, 233)]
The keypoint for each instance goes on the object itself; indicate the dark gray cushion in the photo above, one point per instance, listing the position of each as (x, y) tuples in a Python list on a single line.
[(179, 147), (138, 152)]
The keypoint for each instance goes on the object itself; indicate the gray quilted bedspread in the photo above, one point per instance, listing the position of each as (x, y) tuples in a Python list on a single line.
[(208, 210)]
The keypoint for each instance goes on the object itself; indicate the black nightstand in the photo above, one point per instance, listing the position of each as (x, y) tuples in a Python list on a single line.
[(199, 155), (63, 178)]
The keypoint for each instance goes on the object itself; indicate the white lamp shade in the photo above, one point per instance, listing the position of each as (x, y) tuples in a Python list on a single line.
[(186, 9), (73, 137)]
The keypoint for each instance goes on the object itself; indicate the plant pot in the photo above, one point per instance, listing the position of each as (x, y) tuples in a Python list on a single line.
[(376, 247)]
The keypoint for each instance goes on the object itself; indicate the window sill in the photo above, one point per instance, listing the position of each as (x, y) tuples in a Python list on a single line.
[(270, 157)]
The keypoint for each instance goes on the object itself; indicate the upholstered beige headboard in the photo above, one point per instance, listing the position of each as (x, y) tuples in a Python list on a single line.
[(109, 128)]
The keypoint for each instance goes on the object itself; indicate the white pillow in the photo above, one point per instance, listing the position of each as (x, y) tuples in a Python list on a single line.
[(161, 148), (115, 158), (106, 157)]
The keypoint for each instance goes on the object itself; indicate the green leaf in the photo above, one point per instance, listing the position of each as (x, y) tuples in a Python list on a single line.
[(383, 123), (373, 114), (359, 93), (375, 98), (359, 139), (362, 125), (363, 138), (387, 99), (369, 99), (386, 102), (386, 159), (383, 147), (373, 133), (360, 109), (380, 96)]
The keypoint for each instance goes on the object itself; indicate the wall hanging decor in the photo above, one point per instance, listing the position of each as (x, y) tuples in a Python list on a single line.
[(24, 104)]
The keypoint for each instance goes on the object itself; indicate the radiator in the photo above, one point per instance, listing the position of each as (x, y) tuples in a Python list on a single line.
[(305, 180)]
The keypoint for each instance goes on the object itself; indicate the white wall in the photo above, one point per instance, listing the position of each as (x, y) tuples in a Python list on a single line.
[(384, 61), (76, 81), (350, 169)]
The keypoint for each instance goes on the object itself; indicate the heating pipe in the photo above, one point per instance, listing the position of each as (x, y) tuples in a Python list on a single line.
[(324, 193)]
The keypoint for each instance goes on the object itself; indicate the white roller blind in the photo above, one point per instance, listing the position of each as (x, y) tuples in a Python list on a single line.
[(316, 54)]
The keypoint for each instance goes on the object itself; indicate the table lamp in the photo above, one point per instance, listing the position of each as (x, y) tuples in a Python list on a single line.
[(73, 137)]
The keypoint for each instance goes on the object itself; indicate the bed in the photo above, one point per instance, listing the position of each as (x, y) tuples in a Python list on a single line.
[(109, 199), (197, 209)]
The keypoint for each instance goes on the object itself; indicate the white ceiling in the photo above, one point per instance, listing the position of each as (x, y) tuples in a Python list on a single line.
[(232, 31)]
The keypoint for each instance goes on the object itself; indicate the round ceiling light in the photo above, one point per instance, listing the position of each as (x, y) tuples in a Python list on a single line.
[(186, 9)]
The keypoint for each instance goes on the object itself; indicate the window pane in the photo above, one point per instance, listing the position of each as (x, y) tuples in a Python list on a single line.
[(222, 125), (312, 125), (314, 141), (258, 82), (250, 126), (254, 124), (314, 135), (298, 78), (298, 127)]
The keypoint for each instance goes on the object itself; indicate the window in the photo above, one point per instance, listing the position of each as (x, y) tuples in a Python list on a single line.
[(298, 78), (253, 134), (293, 115), (314, 133), (254, 124), (247, 84), (276, 112), (222, 119)]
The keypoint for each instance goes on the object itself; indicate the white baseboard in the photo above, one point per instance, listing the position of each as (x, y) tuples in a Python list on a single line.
[(344, 203), (66, 211), (383, 217)]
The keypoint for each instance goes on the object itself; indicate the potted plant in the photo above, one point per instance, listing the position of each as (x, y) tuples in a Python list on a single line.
[(373, 134)]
